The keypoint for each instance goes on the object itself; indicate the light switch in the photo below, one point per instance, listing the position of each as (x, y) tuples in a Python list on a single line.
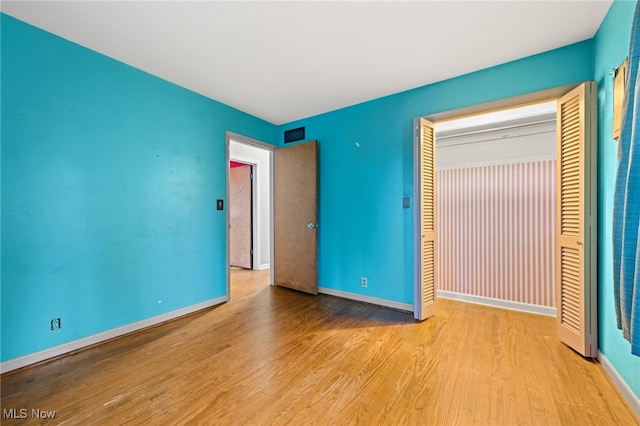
[(406, 203), (220, 205)]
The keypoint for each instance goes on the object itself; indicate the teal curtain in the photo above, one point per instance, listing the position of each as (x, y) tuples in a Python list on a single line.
[(626, 207)]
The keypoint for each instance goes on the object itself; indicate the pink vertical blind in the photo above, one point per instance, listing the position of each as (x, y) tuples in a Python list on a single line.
[(496, 231)]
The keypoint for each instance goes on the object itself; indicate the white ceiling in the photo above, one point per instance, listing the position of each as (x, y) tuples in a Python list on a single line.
[(283, 61)]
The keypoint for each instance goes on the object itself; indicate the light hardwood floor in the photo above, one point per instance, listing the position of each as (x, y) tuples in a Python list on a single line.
[(275, 356)]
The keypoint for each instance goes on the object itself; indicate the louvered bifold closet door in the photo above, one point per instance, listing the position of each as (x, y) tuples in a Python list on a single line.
[(426, 294), (576, 220)]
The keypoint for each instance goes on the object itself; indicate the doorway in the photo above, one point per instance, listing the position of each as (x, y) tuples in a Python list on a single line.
[(259, 156), (576, 211), (496, 192), (295, 220)]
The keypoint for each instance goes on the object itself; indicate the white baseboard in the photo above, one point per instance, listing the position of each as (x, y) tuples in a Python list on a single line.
[(622, 386), (367, 299), (23, 361), (499, 303), (264, 266)]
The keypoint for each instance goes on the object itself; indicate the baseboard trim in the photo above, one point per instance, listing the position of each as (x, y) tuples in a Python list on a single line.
[(367, 299), (33, 358), (617, 380), (499, 303), (264, 266)]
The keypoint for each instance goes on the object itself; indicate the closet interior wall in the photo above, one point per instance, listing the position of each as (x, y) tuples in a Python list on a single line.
[(496, 210)]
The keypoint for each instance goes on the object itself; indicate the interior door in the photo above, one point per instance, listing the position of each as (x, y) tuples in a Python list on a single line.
[(576, 220), (425, 297), (240, 216), (295, 217)]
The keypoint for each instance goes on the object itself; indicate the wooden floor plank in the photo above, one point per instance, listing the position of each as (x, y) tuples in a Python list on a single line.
[(275, 356)]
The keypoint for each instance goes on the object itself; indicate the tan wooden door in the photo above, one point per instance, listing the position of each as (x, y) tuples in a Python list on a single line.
[(295, 217), (576, 220), (425, 297), (240, 233)]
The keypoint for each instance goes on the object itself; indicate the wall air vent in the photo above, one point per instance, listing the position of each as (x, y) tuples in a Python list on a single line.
[(294, 135)]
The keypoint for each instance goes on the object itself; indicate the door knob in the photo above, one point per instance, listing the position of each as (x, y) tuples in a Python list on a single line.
[(312, 225)]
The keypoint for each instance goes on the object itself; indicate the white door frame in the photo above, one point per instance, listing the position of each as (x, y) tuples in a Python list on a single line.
[(245, 140)]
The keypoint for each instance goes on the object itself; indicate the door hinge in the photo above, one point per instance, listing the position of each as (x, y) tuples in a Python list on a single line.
[(251, 176)]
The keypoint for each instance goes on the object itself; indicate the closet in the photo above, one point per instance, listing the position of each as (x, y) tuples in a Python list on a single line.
[(496, 205)]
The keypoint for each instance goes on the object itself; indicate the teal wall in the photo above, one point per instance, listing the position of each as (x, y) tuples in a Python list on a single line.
[(364, 231), (109, 182), (611, 46)]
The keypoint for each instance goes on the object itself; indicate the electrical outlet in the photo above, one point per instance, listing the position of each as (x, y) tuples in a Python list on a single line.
[(55, 324), (364, 281)]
